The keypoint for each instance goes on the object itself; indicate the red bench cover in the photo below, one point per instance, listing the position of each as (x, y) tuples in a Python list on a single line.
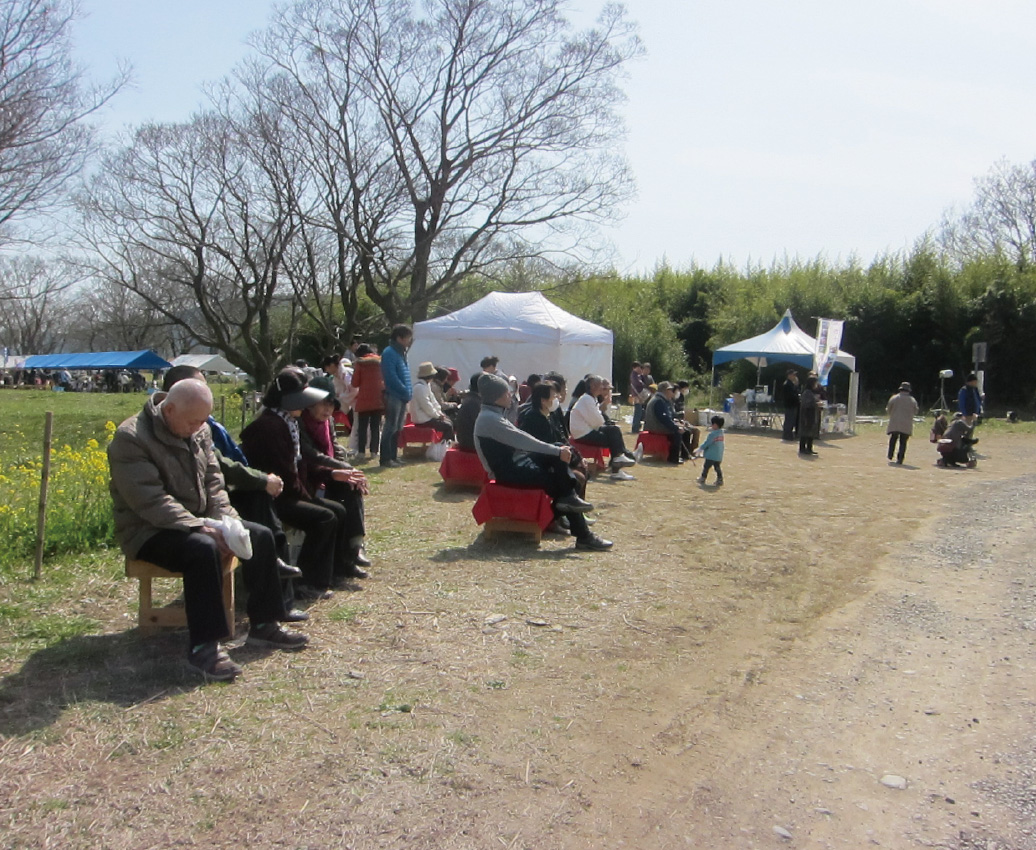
[(500, 501)]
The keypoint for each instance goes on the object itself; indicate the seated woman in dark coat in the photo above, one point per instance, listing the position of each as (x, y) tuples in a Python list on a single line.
[(273, 443), (537, 420)]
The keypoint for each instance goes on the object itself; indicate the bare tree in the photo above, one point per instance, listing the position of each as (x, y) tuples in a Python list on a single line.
[(44, 104), (35, 304), (187, 218), (473, 133), (1001, 219)]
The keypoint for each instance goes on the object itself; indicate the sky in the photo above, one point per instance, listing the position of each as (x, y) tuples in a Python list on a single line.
[(757, 130)]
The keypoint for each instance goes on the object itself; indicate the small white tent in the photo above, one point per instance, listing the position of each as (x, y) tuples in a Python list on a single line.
[(526, 331), (205, 362)]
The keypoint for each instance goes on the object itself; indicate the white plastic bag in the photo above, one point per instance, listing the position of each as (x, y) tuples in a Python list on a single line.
[(235, 534)]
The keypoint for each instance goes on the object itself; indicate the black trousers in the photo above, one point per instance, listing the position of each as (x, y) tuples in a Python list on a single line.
[(607, 435), (791, 423), (325, 549), (902, 444), (257, 506), (368, 423), (550, 474), (197, 556), (441, 426)]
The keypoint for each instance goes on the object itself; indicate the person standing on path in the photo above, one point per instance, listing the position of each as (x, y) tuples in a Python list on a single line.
[(902, 408), (809, 422), (969, 400), (396, 375), (790, 398)]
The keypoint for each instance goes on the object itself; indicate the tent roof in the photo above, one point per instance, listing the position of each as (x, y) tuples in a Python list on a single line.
[(786, 342), (514, 317), (145, 359), (205, 362)]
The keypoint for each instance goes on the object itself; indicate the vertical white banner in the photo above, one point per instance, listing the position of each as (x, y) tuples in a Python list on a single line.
[(829, 337)]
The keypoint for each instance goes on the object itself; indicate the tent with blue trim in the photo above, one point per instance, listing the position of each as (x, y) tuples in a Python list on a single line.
[(786, 342), (146, 359)]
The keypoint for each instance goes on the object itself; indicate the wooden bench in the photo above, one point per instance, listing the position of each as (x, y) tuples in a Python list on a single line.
[(150, 618)]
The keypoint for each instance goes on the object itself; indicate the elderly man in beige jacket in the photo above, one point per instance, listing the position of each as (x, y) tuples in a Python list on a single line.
[(167, 491), (902, 408)]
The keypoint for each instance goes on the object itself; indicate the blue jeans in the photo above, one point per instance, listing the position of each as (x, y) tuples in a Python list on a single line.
[(638, 418), (395, 416)]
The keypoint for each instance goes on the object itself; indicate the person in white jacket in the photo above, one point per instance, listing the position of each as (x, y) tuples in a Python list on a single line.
[(424, 409), (588, 425)]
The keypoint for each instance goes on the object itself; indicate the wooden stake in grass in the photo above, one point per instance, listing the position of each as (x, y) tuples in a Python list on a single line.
[(41, 515)]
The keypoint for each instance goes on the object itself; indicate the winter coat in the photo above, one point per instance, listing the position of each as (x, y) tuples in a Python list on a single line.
[(902, 408), (160, 481), (369, 385)]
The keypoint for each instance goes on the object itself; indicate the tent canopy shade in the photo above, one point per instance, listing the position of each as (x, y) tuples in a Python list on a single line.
[(205, 362), (145, 359), (525, 330), (786, 342)]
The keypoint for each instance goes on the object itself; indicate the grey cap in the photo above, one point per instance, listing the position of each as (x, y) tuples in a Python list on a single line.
[(665, 385), (491, 387)]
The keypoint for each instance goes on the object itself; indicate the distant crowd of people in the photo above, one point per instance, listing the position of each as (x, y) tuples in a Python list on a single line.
[(77, 381)]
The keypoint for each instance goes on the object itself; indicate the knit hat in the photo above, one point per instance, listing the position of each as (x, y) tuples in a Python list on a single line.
[(491, 387)]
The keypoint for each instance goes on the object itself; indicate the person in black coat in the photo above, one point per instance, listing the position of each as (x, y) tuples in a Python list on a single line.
[(790, 398)]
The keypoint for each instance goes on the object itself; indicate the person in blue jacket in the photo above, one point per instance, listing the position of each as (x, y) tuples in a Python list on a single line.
[(712, 451), (396, 374), (969, 400)]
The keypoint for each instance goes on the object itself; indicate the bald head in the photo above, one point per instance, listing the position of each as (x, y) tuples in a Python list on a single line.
[(186, 407)]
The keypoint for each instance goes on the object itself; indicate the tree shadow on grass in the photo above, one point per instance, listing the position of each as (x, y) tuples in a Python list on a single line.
[(123, 669)]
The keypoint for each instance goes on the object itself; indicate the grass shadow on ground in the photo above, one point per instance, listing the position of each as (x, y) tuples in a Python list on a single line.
[(123, 669), (511, 550)]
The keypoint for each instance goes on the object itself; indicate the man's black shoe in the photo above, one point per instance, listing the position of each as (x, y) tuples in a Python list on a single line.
[(360, 558), (572, 504), (594, 542), (286, 570), (295, 615)]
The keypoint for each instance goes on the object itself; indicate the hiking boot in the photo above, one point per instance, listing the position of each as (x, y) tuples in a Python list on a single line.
[(572, 504), (271, 634), (593, 542), (212, 662)]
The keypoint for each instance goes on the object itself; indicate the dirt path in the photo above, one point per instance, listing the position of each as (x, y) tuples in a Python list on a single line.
[(753, 657)]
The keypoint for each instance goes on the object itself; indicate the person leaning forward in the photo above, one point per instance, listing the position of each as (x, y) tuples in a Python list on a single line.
[(511, 456), (165, 484)]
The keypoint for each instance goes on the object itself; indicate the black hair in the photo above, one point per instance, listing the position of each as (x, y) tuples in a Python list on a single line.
[(541, 391), (491, 360), (334, 359), (557, 378), (363, 350), (401, 331), (718, 420), (532, 380), (177, 374)]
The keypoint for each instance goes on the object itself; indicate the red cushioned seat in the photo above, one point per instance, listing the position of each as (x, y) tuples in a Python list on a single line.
[(462, 469), (502, 507), (654, 444), (415, 435), (598, 454)]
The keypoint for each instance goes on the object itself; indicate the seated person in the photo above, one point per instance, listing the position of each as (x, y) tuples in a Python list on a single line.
[(273, 443), (955, 445), (327, 469), (939, 426), (538, 421), (251, 492), (470, 406), (424, 409), (510, 456), (659, 419), (587, 424), (525, 390), (165, 482), (440, 385)]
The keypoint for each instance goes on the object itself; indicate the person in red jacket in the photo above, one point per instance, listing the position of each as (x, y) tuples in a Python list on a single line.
[(369, 404)]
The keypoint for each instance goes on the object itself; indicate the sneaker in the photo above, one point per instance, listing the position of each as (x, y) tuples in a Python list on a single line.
[(572, 504), (701, 480), (622, 475), (638, 453), (212, 662), (622, 460), (719, 482), (271, 634), (593, 542)]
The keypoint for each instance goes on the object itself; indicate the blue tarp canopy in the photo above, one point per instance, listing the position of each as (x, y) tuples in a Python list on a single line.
[(146, 359), (786, 342)]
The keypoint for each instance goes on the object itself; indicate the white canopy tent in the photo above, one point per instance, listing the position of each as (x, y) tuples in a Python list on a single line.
[(524, 329), (205, 362)]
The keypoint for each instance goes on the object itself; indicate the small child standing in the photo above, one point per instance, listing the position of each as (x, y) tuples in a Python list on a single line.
[(712, 451)]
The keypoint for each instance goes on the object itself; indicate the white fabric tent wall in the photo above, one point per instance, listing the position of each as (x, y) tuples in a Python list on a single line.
[(205, 362), (525, 330)]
